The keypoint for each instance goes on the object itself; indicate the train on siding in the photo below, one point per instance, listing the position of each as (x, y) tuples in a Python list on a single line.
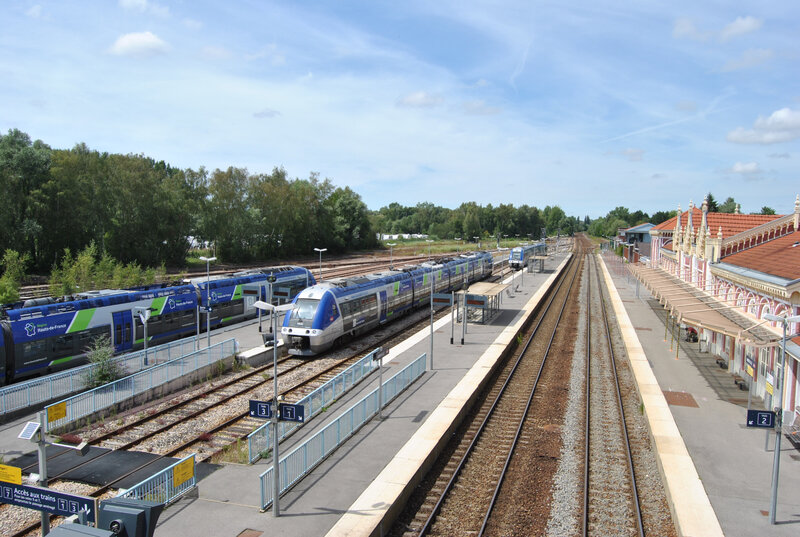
[(520, 255), (332, 311), (46, 335)]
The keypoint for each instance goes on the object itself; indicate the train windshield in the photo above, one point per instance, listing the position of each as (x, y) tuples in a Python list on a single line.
[(304, 309)]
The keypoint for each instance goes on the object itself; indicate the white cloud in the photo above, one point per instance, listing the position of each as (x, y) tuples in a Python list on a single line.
[(745, 168), (480, 108), (266, 113), (781, 126), (420, 99), (741, 26), (34, 12), (634, 155), (193, 24), (750, 58), (685, 28), (779, 155), (139, 44), (144, 6)]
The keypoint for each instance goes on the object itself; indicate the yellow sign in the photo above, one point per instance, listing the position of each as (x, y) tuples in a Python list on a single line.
[(56, 412), (10, 474), (769, 388), (749, 370), (183, 472)]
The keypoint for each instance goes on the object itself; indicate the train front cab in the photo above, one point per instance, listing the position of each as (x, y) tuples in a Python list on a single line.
[(307, 326)]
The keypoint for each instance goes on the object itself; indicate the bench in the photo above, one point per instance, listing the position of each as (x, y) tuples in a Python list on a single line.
[(739, 381), (722, 362)]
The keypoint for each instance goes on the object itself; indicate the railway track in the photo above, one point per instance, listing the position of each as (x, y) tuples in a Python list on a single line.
[(610, 494), (461, 498)]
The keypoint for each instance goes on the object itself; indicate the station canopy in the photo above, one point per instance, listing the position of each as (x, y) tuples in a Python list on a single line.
[(696, 308)]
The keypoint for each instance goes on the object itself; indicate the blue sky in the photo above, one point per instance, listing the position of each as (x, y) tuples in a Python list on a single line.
[(586, 105)]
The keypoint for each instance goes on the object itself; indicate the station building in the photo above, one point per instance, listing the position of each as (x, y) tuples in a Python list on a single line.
[(720, 274)]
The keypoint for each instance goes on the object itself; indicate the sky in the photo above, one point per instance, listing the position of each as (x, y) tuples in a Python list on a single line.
[(587, 105)]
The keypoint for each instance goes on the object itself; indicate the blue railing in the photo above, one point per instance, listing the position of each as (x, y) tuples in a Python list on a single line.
[(167, 485), (36, 391), (92, 401), (304, 458), (260, 440)]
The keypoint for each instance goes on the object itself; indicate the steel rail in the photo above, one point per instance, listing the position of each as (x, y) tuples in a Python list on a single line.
[(456, 472)]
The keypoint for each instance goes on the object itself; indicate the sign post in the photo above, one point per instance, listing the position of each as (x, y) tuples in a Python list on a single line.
[(378, 355)]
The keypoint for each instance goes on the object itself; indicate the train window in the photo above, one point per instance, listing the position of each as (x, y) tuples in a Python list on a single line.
[(304, 309), (34, 347)]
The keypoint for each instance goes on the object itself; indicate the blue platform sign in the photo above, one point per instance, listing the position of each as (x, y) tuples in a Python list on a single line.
[(761, 418), (260, 409), (288, 412), (47, 500)]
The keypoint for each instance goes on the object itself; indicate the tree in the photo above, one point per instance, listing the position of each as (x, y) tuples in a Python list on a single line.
[(712, 204), (350, 222), (729, 206), (767, 210), (24, 166), (106, 369), (662, 216)]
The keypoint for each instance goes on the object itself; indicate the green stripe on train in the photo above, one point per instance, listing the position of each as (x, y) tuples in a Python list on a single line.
[(81, 320)]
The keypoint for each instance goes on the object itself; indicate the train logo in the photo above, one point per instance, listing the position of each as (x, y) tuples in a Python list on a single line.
[(30, 330)]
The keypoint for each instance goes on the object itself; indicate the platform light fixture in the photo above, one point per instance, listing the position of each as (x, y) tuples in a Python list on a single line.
[(429, 241), (274, 311), (776, 464), (208, 261), (320, 250), (391, 246)]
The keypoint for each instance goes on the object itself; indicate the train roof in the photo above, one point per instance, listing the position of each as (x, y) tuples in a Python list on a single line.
[(248, 276)]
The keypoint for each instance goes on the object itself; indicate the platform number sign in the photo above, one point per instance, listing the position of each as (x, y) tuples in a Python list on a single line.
[(260, 409), (289, 412), (761, 418)]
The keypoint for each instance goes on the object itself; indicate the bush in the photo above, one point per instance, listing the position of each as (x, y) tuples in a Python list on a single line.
[(101, 354)]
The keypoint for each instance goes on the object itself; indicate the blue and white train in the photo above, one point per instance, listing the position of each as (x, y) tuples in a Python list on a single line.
[(47, 335), (335, 310), (520, 255)]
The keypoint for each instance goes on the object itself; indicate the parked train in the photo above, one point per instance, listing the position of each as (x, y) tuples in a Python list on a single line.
[(54, 334), (520, 255), (331, 311)]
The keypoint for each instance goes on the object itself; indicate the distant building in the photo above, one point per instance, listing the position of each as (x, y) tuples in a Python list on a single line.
[(635, 241), (397, 236)]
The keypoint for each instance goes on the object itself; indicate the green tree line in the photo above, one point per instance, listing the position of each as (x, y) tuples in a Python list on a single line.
[(136, 210), (472, 220)]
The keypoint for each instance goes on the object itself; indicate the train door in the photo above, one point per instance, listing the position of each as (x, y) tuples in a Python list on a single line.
[(384, 306), (123, 325)]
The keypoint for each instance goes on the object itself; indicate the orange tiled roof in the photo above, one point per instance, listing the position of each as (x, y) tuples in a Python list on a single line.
[(731, 223), (778, 257)]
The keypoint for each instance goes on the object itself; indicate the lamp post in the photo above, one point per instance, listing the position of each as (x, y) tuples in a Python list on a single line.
[(320, 250), (144, 316), (391, 246), (429, 241), (274, 311), (208, 261), (479, 242), (458, 248), (776, 464)]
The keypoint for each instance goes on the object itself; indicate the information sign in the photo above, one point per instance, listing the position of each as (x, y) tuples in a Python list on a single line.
[(56, 411), (49, 501), (442, 299), (770, 383), (183, 472), (289, 412), (761, 418), (10, 474), (260, 409)]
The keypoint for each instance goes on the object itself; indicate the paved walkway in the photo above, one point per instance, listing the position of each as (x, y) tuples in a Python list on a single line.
[(730, 458)]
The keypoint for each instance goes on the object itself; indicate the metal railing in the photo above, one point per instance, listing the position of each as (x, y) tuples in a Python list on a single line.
[(89, 402), (304, 458), (36, 391), (260, 440), (167, 485)]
